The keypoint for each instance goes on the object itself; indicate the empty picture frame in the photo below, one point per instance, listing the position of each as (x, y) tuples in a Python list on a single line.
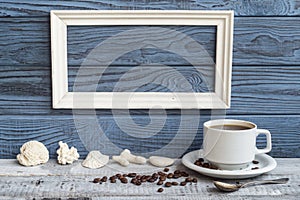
[(217, 99)]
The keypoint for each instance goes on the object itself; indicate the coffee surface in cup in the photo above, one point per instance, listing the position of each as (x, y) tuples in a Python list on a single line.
[(232, 127)]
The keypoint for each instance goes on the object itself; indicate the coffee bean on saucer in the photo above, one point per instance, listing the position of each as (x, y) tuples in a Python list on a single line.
[(205, 165), (201, 159), (255, 162), (198, 163), (160, 190)]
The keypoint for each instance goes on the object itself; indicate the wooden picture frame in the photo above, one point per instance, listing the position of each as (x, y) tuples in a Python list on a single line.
[(63, 99)]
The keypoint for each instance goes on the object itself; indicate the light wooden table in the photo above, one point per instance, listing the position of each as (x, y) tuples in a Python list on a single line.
[(53, 181)]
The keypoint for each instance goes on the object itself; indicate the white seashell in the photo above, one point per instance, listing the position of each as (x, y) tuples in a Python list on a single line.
[(159, 161), (132, 158), (95, 160), (33, 153), (120, 160), (66, 155)]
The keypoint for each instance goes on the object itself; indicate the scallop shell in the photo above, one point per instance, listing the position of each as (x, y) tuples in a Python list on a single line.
[(159, 161), (33, 153), (66, 155), (95, 160)]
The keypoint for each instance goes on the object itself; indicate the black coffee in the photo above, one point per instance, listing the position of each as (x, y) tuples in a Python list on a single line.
[(230, 127)]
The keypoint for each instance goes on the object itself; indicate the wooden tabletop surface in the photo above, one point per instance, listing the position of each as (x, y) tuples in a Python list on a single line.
[(53, 181)]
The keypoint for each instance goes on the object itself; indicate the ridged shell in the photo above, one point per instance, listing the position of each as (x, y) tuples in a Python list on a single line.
[(95, 160), (66, 155), (33, 153)]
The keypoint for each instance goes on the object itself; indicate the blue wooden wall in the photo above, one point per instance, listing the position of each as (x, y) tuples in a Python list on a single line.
[(265, 81)]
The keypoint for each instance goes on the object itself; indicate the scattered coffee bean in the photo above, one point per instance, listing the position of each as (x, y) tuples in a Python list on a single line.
[(170, 175), (138, 183), (151, 180), (161, 174), (160, 190), (97, 180), (176, 176), (174, 183), (118, 175), (168, 184), (194, 180), (112, 177), (113, 180), (131, 175), (177, 171), (160, 182), (255, 162), (183, 183), (104, 179), (184, 174), (254, 168), (162, 178), (166, 169), (189, 179), (134, 180), (124, 180), (143, 180)]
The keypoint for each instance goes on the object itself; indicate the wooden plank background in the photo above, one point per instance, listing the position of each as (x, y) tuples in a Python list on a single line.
[(265, 81)]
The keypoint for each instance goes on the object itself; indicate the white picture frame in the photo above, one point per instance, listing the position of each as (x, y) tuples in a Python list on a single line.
[(63, 99)]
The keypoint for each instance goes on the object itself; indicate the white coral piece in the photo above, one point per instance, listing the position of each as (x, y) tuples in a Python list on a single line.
[(33, 153), (66, 155), (95, 159)]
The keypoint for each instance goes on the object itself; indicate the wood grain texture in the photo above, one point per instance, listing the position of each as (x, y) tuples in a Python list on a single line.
[(257, 41), (140, 133), (53, 181), (241, 7), (266, 89)]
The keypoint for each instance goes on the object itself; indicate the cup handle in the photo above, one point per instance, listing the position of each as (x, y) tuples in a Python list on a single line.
[(269, 141)]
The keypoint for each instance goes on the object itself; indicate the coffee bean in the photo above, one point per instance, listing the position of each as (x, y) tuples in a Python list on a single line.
[(160, 182), (174, 183), (143, 180), (206, 165), (168, 184), (162, 178), (170, 175), (189, 179), (254, 168), (124, 180), (155, 175), (113, 180), (104, 179), (255, 162), (138, 177), (151, 180), (118, 175), (177, 171), (213, 167), (160, 190), (134, 180), (131, 175), (161, 173), (138, 183), (97, 180), (166, 169), (183, 183), (201, 160), (194, 180), (112, 177), (184, 174), (198, 163), (176, 176)]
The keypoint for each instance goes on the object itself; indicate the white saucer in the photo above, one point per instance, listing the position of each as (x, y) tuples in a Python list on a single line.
[(266, 164)]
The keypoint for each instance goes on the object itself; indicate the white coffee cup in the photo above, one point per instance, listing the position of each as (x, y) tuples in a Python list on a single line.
[(231, 144)]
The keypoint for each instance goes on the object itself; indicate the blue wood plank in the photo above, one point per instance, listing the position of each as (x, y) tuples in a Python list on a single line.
[(140, 137), (241, 7), (257, 41)]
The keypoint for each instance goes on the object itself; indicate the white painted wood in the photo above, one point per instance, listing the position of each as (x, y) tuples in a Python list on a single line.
[(73, 181), (220, 98)]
